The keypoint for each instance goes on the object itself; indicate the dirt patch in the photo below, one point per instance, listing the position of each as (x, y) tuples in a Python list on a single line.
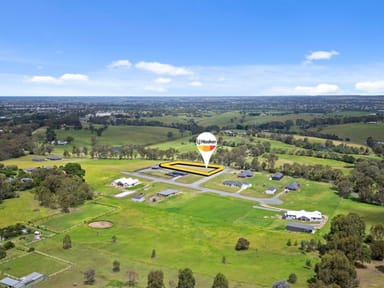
[(100, 224), (370, 277)]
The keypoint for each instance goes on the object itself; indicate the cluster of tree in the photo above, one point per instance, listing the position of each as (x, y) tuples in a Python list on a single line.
[(54, 188), (14, 143), (13, 231), (376, 146), (375, 240), (155, 278), (366, 180), (185, 279), (312, 172), (346, 246), (12, 180)]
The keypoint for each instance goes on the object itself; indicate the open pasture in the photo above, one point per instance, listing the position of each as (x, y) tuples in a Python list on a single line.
[(356, 132), (196, 232), (32, 262), (86, 212)]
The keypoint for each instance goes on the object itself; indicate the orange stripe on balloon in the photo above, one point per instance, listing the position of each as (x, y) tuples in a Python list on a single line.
[(206, 148)]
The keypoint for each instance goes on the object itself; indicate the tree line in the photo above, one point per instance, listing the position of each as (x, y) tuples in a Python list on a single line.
[(304, 143)]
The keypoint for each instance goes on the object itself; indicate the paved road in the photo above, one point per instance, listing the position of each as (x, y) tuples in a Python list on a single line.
[(196, 186)]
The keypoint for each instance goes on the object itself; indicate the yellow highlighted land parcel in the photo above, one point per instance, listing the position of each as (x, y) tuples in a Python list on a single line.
[(187, 166)]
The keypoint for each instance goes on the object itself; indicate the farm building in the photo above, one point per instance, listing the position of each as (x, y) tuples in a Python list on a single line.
[(293, 186), (54, 157), (23, 282), (245, 174), (303, 215), (277, 176), (270, 191), (167, 192), (125, 182), (237, 184), (298, 227), (229, 133), (138, 198), (38, 160)]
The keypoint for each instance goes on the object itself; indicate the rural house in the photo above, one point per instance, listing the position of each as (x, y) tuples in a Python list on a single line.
[(167, 192), (303, 215), (245, 174), (277, 176), (238, 184), (125, 182), (23, 282), (293, 186), (270, 191)]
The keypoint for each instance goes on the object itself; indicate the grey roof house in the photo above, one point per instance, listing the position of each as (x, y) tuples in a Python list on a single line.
[(293, 186), (277, 176), (245, 173)]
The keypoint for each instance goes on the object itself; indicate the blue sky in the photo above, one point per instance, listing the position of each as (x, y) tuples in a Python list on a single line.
[(191, 47)]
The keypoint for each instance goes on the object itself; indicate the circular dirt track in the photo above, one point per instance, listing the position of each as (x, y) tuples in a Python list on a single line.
[(100, 224)]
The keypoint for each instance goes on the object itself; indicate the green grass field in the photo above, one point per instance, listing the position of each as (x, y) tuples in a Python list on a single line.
[(191, 229), (32, 262), (22, 209), (86, 212), (210, 226), (357, 132), (118, 135)]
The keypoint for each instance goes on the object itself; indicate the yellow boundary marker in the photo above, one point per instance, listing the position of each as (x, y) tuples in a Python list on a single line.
[(173, 165)]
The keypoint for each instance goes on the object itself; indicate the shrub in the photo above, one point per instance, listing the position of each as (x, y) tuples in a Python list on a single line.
[(8, 245), (380, 268), (3, 253), (292, 278), (242, 244)]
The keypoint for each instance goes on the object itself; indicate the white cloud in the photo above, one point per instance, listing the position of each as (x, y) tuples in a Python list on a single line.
[(163, 80), (165, 69), (58, 80), (43, 79), (317, 90), (120, 64), (74, 77), (157, 89), (195, 84), (370, 86), (320, 55)]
